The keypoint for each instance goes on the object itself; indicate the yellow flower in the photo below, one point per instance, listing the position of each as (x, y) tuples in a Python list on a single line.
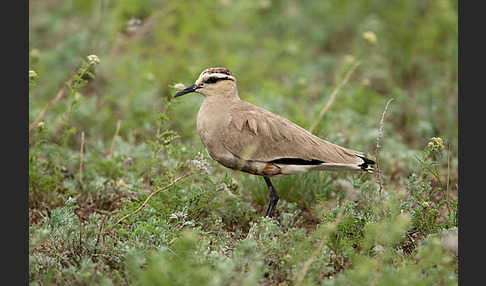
[(370, 37), (34, 54), (349, 59), (302, 81)]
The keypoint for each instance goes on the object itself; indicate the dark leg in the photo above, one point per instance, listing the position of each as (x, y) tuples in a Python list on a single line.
[(272, 198)]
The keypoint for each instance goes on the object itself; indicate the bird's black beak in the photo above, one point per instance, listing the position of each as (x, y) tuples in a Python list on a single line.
[(188, 89)]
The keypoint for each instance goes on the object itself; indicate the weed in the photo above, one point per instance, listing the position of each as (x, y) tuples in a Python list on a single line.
[(122, 192)]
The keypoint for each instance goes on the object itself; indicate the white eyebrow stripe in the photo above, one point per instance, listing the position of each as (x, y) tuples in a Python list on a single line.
[(204, 76)]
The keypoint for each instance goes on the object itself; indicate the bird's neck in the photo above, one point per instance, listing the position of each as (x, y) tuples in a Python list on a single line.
[(223, 98)]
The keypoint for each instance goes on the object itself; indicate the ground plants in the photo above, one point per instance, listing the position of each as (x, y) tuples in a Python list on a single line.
[(121, 191)]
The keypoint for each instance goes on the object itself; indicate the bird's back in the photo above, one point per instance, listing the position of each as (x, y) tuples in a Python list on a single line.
[(255, 134)]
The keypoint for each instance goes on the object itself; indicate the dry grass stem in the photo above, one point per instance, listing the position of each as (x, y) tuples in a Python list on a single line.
[(379, 179), (333, 95), (53, 102), (118, 124), (156, 136), (80, 232), (100, 230), (81, 158), (448, 179), (153, 194), (308, 263)]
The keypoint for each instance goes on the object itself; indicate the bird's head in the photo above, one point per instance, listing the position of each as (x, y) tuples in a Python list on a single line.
[(213, 82)]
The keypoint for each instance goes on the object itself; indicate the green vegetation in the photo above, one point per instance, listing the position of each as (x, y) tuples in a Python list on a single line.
[(106, 133)]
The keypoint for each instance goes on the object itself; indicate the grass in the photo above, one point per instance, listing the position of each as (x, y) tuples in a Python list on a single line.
[(121, 191)]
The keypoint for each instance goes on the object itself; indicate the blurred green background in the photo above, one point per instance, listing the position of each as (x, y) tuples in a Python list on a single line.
[(288, 56)]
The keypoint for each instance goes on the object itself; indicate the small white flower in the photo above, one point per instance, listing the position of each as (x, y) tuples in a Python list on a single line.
[(179, 86), (200, 163), (134, 22), (132, 25), (436, 144), (93, 60), (32, 74)]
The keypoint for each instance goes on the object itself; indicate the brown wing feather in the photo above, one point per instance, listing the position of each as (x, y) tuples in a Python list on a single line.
[(254, 133)]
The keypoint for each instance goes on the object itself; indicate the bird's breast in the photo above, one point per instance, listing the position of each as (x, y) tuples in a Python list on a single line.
[(206, 125), (210, 124)]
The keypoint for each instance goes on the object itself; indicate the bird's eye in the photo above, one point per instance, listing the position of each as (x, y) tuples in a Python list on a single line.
[(212, 80)]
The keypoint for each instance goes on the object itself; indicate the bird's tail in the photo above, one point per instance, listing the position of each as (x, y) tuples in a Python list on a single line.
[(367, 165)]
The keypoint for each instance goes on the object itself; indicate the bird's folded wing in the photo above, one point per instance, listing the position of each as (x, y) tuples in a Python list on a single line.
[(253, 133)]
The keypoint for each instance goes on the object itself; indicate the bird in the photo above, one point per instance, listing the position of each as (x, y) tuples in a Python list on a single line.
[(244, 137)]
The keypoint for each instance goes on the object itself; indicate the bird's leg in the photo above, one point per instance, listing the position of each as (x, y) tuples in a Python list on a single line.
[(272, 197)]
